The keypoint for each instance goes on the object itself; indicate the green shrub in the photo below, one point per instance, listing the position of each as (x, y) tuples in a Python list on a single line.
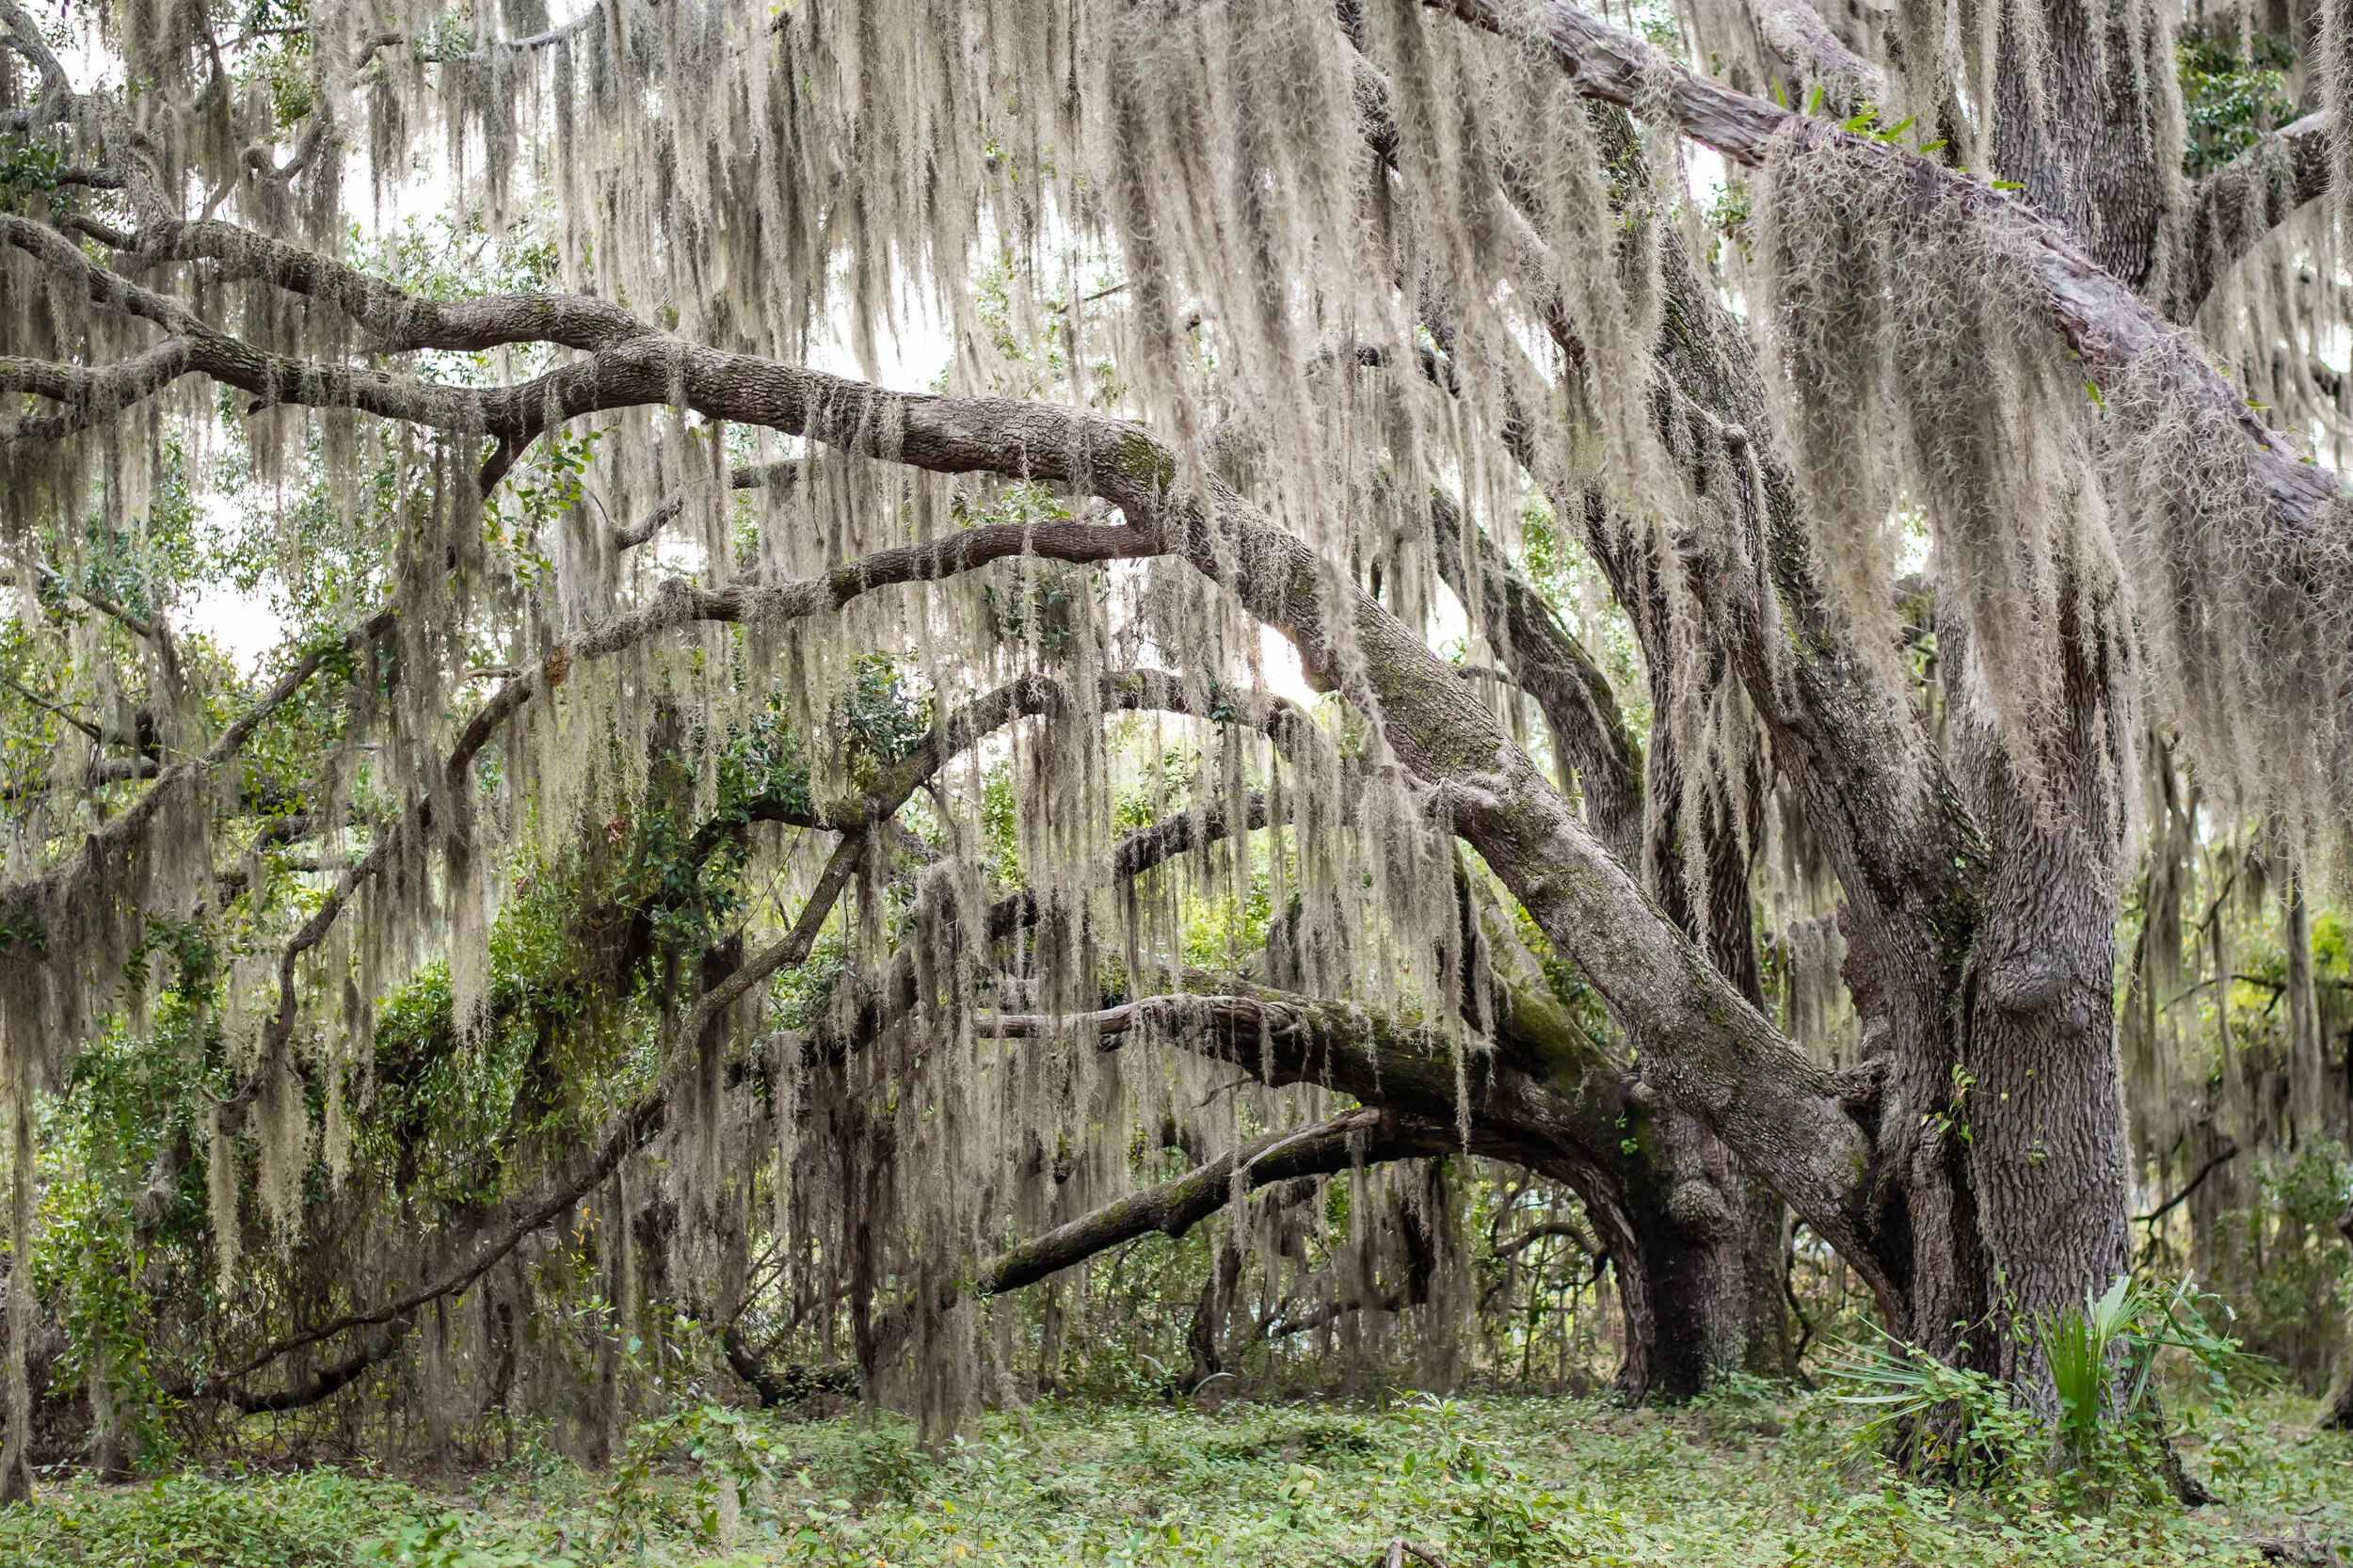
[(297, 1521)]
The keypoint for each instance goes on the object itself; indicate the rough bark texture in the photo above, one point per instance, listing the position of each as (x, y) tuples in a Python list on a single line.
[(1712, 1240), (16, 1464), (2043, 1097), (2077, 128), (2046, 1106), (2232, 209)]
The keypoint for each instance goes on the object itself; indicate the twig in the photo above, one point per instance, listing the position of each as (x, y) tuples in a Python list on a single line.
[(2195, 1182), (87, 596), (41, 702)]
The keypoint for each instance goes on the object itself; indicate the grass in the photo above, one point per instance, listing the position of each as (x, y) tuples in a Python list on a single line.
[(1762, 1478)]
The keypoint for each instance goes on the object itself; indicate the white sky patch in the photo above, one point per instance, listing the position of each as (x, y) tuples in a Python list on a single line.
[(1450, 623), (1278, 664), (1703, 173), (245, 626)]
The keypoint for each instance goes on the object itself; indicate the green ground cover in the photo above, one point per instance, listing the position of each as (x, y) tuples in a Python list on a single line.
[(1760, 1478)]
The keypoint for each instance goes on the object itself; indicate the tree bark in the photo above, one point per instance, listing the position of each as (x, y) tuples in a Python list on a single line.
[(2041, 1096), (2080, 123), (2080, 127), (16, 1461), (2339, 1414)]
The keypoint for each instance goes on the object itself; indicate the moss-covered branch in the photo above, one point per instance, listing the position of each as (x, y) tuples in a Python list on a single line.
[(1174, 1206)]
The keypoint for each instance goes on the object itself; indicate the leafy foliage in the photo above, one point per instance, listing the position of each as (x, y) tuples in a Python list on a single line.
[(2233, 92), (1751, 1478), (1937, 1419)]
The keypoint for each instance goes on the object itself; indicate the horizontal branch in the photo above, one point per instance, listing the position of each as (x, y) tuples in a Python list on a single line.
[(1174, 1206), (1522, 1113), (92, 396), (679, 603), (1565, 1230)]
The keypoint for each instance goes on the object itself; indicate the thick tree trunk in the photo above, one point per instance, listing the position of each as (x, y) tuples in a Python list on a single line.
[(1713, 1246), (1863, 771), (2080, 126), (1728, 1231), (2041, 1095), (1206, 1336), (1874, 796), (16, 1461)]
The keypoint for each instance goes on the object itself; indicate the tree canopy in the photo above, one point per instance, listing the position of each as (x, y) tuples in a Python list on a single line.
[(1688, 610)]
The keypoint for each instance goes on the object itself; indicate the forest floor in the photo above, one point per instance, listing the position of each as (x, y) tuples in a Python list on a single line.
[(1768, 1478)]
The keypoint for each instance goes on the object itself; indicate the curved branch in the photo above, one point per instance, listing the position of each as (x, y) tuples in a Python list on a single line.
[(1353, 1139), (2190, 1188), (1567, 1230), (1174, 1206), (91, 396), (782, 475), (401, 321), (2232, 209), (1407, 1069), (678, 603), (56, 89)]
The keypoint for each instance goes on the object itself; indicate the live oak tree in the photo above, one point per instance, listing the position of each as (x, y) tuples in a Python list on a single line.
[(824, 798)]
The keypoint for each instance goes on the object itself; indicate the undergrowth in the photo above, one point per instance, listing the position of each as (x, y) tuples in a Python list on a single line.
[(1753, 1473)]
